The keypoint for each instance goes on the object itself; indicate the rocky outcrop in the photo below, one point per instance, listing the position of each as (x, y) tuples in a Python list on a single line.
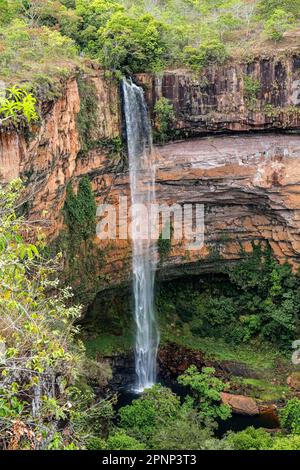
[(248, 184), (173, 360), (240, 404), (258, 94), (50, 157), (293, 382)]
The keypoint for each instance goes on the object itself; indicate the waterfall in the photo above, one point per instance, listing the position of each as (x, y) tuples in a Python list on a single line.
[(142, 187)]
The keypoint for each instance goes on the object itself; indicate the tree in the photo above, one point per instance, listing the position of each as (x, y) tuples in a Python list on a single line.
[(152, 410), (164, 119), (186, 432), (210, 51), (121, 441), (279, 22), (286, 443), (206, 389), (132, 45), (8, 9), (250, 439), (266, 8), (290, 416), (41, 359)]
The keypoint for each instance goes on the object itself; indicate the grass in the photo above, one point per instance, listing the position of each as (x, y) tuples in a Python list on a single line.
[(40, 57), (271, 367), (258, 356), (108, 344), (265, 390), (264, 358)]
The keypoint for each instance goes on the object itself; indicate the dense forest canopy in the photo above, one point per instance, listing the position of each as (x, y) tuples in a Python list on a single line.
[(130, 36)]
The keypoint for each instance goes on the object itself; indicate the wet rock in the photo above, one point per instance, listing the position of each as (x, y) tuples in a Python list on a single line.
[(238, 369), (174, 359), (123, 371), (270, 414)]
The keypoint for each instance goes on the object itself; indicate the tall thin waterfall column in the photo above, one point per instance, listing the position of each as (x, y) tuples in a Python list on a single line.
[(142, 185)]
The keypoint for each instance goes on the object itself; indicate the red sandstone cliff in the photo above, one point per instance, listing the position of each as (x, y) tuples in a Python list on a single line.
[(249, 184)]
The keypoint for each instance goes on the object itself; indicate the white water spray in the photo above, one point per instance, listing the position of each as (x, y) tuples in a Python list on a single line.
[(142, 186)]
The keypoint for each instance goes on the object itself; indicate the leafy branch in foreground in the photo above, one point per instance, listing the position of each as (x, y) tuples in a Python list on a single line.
[(41, 360), (17, 104)]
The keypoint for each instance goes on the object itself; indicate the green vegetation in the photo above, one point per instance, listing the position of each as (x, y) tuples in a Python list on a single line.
[(80, 212), (17, 106), (210, 51), (206, 389), (87, 116), (43, 40), (279, 22), (158, 419), (266, 389), (251, 90), (105, 344), (251, 439), (132, 44), (257, 302), (42, 405), (164, 242), (41, 56), (259, 439), (164, 120), (82, 258), (290, 416)]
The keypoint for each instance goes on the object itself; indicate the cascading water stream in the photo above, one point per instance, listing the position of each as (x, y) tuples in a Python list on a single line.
[(142, 186)]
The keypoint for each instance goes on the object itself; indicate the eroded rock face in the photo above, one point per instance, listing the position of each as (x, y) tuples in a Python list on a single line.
[(248, 184), (222, 99), (293, 382), (51, 157)]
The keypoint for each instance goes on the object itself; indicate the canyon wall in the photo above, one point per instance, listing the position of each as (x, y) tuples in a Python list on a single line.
[(249, 184), (260, 94)]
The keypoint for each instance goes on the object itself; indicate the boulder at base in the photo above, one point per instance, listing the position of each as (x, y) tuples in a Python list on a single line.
[(240, 404), (293, 381)]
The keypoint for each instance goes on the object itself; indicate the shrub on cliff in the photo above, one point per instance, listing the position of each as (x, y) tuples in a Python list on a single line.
[(164, 120), (80, 211), (210, 51), (279, 22), (38, 56)]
